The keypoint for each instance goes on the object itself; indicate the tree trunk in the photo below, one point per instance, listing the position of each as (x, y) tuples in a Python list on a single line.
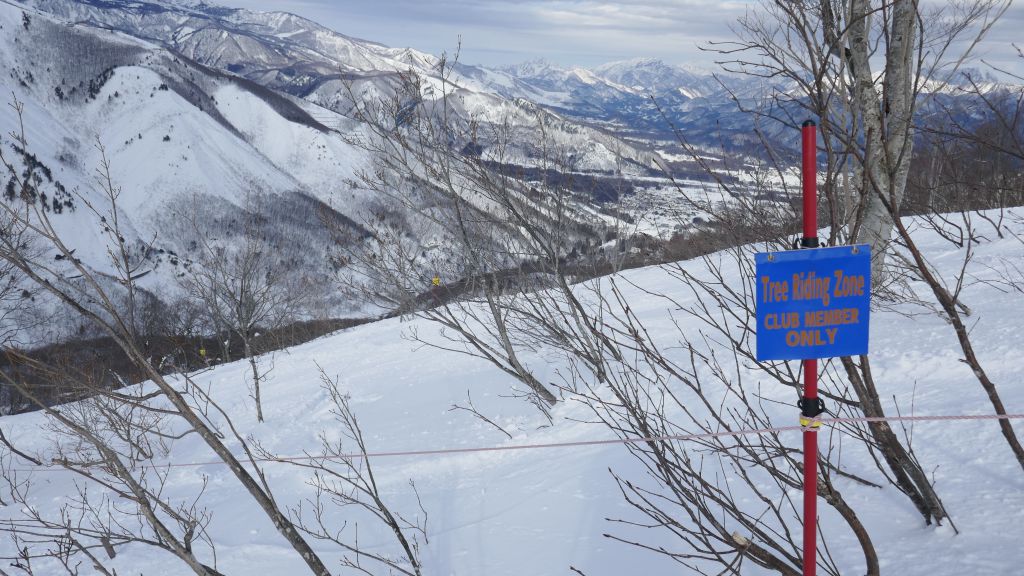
[(281, 522), (887, 121), (525, 375), (909, 477), (255, 379)]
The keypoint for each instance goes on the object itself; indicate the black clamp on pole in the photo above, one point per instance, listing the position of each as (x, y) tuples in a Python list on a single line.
[(801, 243), (810, 409)]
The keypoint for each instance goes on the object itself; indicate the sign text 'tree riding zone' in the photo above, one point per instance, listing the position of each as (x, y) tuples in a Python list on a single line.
[(813, 303)]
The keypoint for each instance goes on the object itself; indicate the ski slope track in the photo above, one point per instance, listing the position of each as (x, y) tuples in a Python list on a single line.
[(537, 512)]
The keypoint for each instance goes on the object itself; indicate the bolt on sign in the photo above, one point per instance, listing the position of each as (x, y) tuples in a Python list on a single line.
[(813, 303)]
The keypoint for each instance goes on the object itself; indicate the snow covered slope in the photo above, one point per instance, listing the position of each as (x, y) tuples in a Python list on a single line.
[(180, 139), (538, 512)]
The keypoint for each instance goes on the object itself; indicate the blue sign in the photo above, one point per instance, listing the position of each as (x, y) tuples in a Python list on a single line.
[(813, 303)]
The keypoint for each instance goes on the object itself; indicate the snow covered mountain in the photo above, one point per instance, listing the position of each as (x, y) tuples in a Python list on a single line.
[(233, 112), (641, 77), (184, 143), (288, 53), (654, 76), (209, 115), (627, 95), (646, 97)]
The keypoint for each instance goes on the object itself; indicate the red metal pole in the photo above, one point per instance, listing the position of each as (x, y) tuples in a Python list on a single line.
[(810, 407), (810, 172), (810, 473)]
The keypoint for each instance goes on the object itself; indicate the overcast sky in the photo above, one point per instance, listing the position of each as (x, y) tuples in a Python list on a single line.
[(567, 32)]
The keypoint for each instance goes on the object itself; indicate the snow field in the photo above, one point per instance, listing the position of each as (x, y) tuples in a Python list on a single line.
[(538, 511)]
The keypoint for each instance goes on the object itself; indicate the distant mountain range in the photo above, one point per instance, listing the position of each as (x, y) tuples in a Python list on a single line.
[(297, 56), (644, 98)]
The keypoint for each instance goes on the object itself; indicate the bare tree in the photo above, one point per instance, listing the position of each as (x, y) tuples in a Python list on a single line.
[(15, 298), (863, 69), (509, 288), (958, 192), (74, 283), (343, 477), (107, 442), (244, 289), (452, 180)]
